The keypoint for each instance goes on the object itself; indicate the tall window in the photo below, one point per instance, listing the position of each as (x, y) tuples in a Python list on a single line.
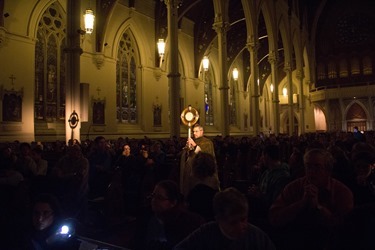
[(208, 107), (126, 84), (232, 105), (49, 100)]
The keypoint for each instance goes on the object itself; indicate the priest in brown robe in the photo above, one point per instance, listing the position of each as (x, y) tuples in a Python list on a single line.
[(200, 143)]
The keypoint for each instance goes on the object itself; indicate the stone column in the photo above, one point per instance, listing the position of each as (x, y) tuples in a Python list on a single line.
[(328, 114), (253, 47), (2, 13), (301, 99), (272, 59), (288, 71), (371, 111), (173, 75), (73, 52), (221, 27)]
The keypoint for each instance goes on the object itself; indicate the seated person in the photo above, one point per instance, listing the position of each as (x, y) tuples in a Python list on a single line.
[(231, 229), (169, 222), (46, 221), (271, 182), (308, 209), (363, 183)]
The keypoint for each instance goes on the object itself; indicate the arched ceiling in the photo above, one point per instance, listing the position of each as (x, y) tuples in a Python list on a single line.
[(330, 37)]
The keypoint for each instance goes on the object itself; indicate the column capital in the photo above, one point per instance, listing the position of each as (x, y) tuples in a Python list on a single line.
[(272, 57), (252, 46), (287, 67), (300, 74), (223, 88), (172, 2), (220, 26)]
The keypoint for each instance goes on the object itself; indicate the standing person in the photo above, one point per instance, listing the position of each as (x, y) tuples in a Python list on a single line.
[(309, 208), (200, 143), (132, 177), (25, 163), (230, 230), (72, 175), (358, 134), (41, 164), (100, 160), (199, 199)]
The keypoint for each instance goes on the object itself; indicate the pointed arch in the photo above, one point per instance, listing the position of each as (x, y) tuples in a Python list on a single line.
[(139, 37), (49, 98), (37, 12), (285, 122), (356, 114), (127, 89), (320, 118)]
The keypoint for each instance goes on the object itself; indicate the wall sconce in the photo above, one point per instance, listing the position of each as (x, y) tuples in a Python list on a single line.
[(271, 88), (235, 74), (89, 21), (206, 63), (285, 91), (258, 81), (161, 50)]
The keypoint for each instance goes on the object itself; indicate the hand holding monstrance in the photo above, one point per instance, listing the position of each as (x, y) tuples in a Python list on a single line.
[(189, 117)]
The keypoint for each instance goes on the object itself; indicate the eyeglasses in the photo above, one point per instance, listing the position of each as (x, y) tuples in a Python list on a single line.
[(44, 214), (158, 197), (315, 168)]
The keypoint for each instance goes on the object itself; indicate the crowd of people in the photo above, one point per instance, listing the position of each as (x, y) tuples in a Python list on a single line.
[(261, 192)]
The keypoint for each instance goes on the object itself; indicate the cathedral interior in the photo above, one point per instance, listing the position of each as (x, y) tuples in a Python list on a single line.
[(248, 67)]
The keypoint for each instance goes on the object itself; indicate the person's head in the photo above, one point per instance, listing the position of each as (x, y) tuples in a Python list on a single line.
[(364, 162), (25, 149), (75, 151), (197, 131), (126, 150), (157, 147), (166, 196), (37, 153), (46, 209), (318, 166), (231, 212), (203, 165), (271, 153), (100, 143)]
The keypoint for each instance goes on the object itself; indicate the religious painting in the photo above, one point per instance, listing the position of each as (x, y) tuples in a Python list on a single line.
[(12, 107), (157, 115), (245, 116), (98, 116)]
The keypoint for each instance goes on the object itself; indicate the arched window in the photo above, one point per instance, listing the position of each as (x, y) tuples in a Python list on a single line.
[(126, 84), (232, 104), (208, 98), (49, 99)]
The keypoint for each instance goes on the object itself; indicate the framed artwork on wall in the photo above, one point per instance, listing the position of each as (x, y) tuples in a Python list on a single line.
[(12, 105), (98, 114)]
